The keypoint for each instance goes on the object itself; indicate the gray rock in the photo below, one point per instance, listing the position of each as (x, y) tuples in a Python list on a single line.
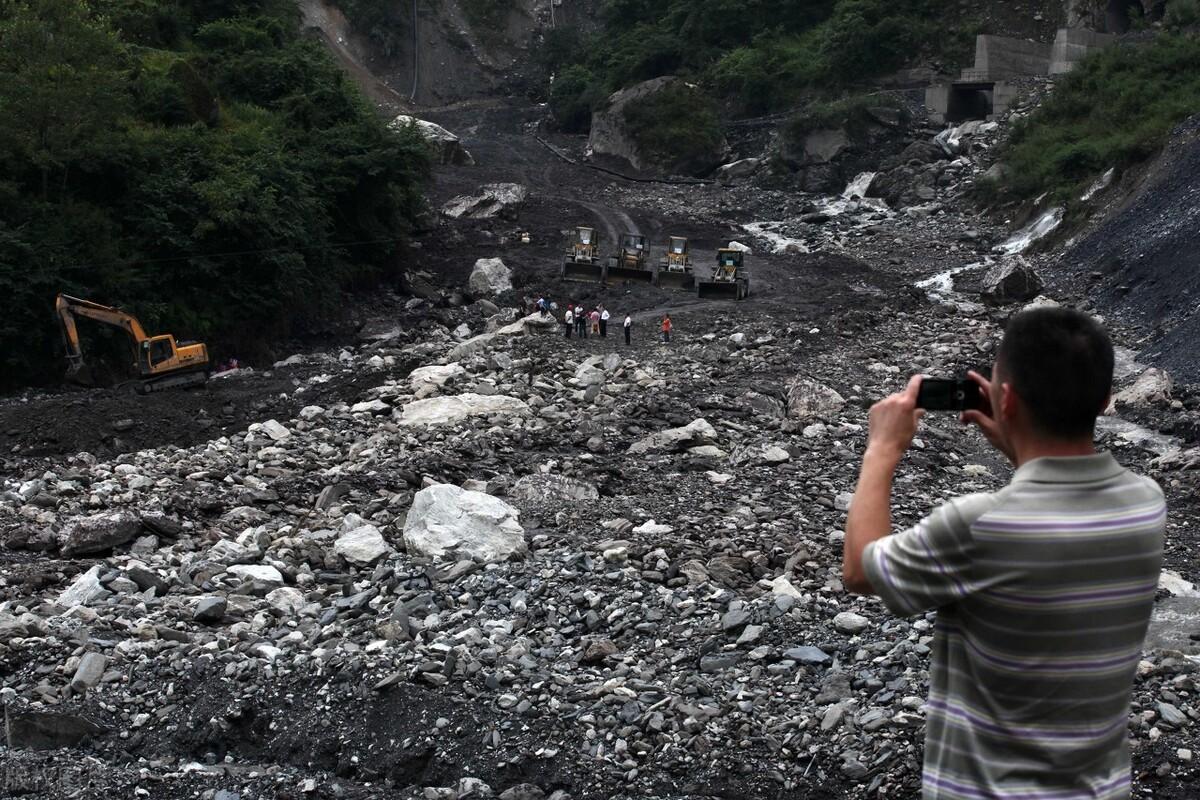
[(1171, 716), (363, 545), (89, 672), (493, 199), (611, 135), (490, 276), (1011, 280), (541, 488), (850, 623), (100, 532), (35, 730), (807, 654), (445, 147), (210, 609), (809, 399), (85, 590), (694, 433)]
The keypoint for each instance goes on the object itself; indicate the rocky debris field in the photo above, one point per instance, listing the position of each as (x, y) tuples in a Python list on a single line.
[(461, 556), (510, 564)]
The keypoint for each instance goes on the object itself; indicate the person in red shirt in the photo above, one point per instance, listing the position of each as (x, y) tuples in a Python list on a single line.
[(666, 327)]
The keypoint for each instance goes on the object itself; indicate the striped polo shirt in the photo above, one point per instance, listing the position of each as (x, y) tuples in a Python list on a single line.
[(1043, 593)]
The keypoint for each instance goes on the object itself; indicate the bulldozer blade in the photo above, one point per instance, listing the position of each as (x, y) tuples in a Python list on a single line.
[(633, 275), (676, 280), (583, 272), (720, 290)]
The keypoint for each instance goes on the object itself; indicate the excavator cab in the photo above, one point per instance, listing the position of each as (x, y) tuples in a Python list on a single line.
[(630, 262), (729, 278), (581, 260), (675, 267)]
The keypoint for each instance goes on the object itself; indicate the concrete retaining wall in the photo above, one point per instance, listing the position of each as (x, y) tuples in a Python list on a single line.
[(1072, 44)]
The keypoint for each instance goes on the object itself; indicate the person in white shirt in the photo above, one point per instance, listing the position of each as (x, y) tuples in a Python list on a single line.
[(604, 315), (569, 320), (628, 327)]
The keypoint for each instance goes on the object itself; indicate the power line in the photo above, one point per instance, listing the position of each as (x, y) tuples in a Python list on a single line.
[(232, 253)]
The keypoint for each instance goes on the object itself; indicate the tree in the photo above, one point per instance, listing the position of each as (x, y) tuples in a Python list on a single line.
[(64, 85)]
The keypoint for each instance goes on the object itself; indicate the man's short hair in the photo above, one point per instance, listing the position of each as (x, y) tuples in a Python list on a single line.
[(1060, 363)]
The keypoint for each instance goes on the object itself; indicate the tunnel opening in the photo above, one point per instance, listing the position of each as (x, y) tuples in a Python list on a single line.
[(1121, 15), (970, 101)]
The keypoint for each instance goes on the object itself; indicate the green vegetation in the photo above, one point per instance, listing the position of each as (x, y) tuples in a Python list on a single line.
[(386, 22), (854, 114), (1115, 109), (573, 96), (676, 127), (196, 161), (1182, 14), (759, 56)]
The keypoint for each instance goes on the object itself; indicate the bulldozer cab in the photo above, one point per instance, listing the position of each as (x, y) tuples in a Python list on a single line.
[(583, 244), (677, 254), (581, 261), (633, 243), (730, 259), (729, 280)]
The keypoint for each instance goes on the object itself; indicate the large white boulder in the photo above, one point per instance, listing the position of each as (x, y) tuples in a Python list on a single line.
[(613, 135), (363, 545), (694, 433), (435, 374), (1153, 387), (490, 276), (456, 408), (809, 399), (444, 145), (446, 522), (492, 200), (85, 590)]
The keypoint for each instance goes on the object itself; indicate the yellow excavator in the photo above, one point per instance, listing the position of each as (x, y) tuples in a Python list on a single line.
[(581, 260), (159, 361), (729, 279), (675, 266)]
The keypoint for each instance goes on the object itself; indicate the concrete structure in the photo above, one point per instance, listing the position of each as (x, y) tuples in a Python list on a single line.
[(1072, 44), (999, 58), (985, 90)]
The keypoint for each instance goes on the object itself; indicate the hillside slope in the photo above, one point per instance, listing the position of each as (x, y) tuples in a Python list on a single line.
[(1142, 256)]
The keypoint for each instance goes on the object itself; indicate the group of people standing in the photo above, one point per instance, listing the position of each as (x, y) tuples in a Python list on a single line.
[(579, 322)]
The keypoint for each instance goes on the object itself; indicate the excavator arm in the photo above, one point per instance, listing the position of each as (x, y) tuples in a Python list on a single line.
[(69, 308)]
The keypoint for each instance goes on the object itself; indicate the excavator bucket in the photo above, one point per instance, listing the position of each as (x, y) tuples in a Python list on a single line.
[(676, 280), (80, 374), (583, 271)]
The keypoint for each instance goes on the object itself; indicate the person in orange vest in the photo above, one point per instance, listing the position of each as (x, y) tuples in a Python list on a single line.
[(666, 327)]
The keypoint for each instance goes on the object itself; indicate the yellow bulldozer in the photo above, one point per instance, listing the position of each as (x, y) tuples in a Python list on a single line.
[(729, 277), (158, 361), (631, 263), (675, 266), (581, 260)]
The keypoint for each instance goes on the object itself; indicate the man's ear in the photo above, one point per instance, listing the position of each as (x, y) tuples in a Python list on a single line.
[(1008, 402)]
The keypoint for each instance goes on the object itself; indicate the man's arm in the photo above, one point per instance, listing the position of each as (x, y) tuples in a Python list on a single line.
[(893, 423)]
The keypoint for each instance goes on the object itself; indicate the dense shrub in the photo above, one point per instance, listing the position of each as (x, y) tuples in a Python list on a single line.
[(1113, 110), (762, 55), (677, 128), (573, 96), (220, 178)]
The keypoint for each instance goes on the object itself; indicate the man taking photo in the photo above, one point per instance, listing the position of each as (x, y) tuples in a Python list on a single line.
[(1043, 589)]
